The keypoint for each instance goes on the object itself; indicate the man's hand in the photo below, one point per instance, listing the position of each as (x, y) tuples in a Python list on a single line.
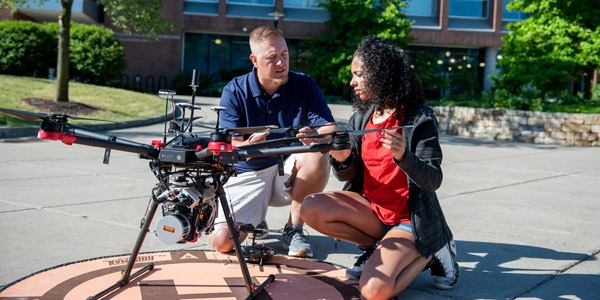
[(257, 137), (306, 131), (254, 138), (326, 128)]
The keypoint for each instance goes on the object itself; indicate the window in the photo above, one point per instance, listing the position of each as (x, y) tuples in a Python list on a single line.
[(421, 7), (469, 8), (201, 7), (305, 10), (303, 3), (261, 2)]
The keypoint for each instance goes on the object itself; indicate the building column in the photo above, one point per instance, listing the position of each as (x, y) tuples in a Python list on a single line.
[(490, 68)]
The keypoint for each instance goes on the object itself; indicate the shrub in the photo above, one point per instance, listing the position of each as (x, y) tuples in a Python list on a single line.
[(182, 82), (227, 75), (26, 48), (214, 89), (96, 56), (525, 100)]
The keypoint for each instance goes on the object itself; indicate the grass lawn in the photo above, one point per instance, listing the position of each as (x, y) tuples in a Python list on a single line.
[(109, 103)]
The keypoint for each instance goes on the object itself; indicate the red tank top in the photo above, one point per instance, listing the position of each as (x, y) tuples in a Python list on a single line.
[(385, 184)]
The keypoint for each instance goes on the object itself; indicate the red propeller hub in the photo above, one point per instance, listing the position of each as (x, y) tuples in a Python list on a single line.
[(68, 139)]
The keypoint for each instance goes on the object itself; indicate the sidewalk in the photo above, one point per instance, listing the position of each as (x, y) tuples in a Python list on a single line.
[(525, 217)]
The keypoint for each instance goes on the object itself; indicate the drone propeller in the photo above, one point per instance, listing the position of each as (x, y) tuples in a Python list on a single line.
[(32, 116), (252, 129), (294, 130), (25, 115), (286, 141)]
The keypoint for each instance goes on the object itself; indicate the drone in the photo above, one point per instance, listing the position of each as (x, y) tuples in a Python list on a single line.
[(191, 171)]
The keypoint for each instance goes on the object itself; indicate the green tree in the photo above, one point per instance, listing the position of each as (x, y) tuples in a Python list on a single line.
[(558, 44), (350, 21), (140, 16)]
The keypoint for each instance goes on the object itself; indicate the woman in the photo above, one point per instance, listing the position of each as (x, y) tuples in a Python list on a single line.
[(388, 207)]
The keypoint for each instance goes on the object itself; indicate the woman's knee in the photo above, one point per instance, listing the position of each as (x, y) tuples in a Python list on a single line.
[(375, 288)]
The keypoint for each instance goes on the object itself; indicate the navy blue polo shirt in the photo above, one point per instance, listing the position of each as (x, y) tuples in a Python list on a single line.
[(299, 102)]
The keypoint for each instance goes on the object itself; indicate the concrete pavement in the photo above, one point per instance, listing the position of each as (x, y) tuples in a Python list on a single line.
[(525, 217)]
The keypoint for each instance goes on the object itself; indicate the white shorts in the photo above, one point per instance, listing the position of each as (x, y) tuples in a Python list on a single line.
[(251, 193)]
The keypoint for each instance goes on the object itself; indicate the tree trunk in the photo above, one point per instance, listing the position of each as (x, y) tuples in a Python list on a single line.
[(64, 38), (588, 84)]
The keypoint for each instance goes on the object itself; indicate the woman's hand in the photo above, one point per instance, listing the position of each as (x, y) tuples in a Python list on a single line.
[(393, 141), (340, 155)]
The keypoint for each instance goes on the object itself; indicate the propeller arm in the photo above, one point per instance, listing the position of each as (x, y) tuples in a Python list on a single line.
[(118, 144), (282, 141), (81, 136), (284, 151), (242, 155)]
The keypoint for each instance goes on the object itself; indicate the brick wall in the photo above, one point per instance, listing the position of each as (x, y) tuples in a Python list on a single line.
[(569, 129)]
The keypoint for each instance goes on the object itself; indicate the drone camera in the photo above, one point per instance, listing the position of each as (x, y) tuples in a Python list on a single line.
[(188, 208), (173, 228)]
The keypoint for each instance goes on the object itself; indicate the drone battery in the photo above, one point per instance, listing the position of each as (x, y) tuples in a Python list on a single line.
[(176, 155), (172, 228)]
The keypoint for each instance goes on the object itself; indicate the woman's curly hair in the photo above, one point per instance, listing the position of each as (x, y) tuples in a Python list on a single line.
[(388, 77)]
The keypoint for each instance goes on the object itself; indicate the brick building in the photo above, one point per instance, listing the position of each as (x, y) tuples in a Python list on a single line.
[(213, 34)]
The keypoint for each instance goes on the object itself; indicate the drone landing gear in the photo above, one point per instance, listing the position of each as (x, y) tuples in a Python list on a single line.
[(126, 276)]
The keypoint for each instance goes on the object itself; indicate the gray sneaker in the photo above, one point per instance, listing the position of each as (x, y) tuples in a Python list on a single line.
[(296, 242), (262, 234)]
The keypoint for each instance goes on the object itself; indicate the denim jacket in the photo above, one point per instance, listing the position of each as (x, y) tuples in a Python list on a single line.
[(422, 167)]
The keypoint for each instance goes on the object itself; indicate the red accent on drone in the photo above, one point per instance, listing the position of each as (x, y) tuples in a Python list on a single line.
[(157, 143), (67, 139), (218, 147)]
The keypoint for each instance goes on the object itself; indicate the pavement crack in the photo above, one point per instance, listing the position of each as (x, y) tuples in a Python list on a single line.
[(559, 272), (92, 202), (521, 183)]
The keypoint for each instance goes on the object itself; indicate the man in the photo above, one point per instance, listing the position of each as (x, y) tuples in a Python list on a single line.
[(273, 95)]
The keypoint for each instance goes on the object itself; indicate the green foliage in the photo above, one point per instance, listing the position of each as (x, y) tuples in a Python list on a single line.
[(226, 75), (557, 44), (350, 21), (504, 99), (181, 83), (463, 81), (96, 56), (26, 48), (214, 89), (138, 16), (427, 70)]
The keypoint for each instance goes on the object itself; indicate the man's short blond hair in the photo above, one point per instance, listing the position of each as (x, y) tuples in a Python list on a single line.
[(260, 34)]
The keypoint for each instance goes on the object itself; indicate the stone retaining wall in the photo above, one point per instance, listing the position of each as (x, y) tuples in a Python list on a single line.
[(569, 129)]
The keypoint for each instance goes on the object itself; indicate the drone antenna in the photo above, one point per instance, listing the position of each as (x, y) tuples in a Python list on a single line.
[(166, 93), (218, 109), (194, 85)]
